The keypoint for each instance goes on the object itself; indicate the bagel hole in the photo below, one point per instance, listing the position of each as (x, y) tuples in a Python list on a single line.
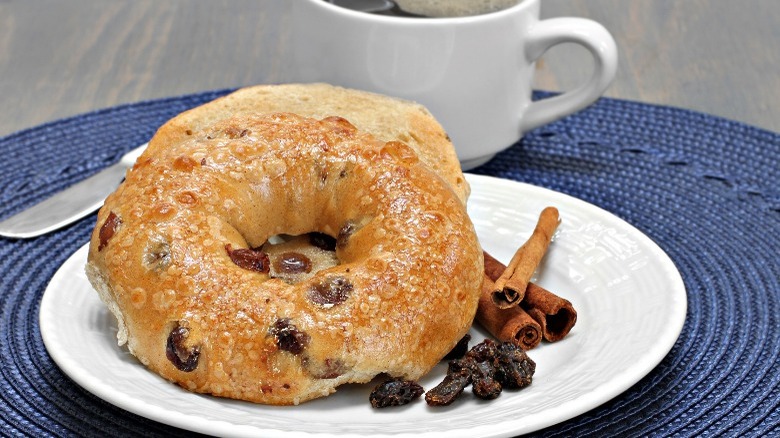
[(294, 259)]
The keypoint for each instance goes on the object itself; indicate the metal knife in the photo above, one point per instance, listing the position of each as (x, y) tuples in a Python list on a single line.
[(71, 204)]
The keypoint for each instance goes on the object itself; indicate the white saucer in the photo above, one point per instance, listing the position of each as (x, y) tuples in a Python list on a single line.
[(629, 297)]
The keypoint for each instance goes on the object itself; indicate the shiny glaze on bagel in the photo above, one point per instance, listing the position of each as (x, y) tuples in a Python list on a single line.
[(176, 255)]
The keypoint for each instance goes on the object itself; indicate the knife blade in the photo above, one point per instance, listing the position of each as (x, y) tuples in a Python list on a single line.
[(71, 204)]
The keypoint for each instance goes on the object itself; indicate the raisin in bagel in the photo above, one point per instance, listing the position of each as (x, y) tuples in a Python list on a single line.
[(174, 256), (386, 118)]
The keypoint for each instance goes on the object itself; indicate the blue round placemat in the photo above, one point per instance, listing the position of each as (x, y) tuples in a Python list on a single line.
[(705, 189)]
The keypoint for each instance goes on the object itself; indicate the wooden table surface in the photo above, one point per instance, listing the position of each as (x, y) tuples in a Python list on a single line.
[(62, 58)]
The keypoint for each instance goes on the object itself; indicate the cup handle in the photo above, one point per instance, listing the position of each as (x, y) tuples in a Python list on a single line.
[(587, 33)]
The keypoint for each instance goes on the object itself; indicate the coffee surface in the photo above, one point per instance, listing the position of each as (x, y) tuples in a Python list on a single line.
[(426, 8)]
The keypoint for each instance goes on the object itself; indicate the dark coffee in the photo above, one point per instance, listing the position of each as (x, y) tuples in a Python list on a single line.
[(378, 7), (426, 8)]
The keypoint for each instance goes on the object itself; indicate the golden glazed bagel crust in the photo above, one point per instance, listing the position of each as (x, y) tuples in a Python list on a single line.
[(404, 291), (386, 118)]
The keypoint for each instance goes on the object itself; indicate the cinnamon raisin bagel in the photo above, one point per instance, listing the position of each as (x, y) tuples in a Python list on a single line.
[(178, 255), (386, 118)]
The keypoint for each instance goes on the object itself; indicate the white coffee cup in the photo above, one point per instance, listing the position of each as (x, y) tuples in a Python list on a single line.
[(474, 73)]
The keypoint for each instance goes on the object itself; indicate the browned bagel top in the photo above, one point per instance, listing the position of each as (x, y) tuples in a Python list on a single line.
[(163, 256), (386, 118)]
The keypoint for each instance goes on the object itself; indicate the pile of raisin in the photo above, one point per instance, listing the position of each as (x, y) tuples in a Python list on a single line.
[(488, 367)]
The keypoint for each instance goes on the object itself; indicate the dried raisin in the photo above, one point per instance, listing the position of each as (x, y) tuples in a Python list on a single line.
[(182, 357), (450, 388), (157, 255), (108, 229), (460, 349), (395, 392), (514, 368), (483, 380), (345, 233), (250, 259), (288, 337), (333, 290), (292, 263)]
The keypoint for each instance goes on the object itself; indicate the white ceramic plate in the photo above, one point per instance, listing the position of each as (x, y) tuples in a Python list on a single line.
[(629, 296)]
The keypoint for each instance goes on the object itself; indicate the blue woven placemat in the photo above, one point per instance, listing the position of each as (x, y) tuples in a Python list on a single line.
[(705, 189)]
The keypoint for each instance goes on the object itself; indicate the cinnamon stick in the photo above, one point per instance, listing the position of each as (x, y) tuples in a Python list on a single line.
[(510, 286), (493, 267), (507, 325), (555, 315)]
